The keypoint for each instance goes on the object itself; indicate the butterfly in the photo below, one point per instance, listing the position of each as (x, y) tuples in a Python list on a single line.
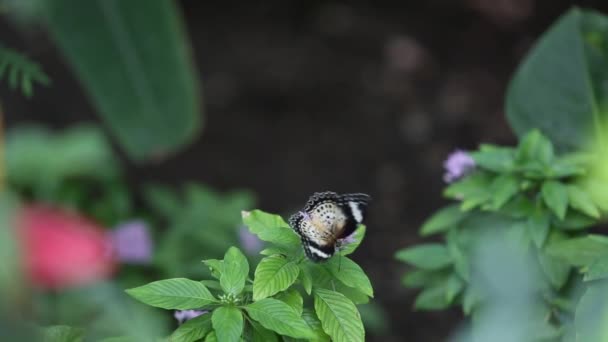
[(327, 218)]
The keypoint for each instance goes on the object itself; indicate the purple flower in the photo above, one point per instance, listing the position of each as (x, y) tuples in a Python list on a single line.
[(250, 243), (457, 165), (132, 242), (184, 315)]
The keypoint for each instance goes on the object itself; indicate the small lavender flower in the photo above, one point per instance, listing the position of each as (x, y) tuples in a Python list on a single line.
[(132, 242), (250, 243), (457, 165), (185, 315)]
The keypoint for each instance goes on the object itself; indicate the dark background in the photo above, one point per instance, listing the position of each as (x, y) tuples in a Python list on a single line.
[(305, 96)]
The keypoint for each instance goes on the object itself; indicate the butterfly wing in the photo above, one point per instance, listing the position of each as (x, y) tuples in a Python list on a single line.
[(354, 207), (316, 247)]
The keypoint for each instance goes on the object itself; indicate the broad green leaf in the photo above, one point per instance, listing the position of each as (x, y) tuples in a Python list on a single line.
[(144, 89), (273, 274), (554, 90), (494, 158), (349, 273), (443, 220), (339, 316), (292, 298), (272, 251), (234, 272), (598, 269), (582, 201), (470, 300), (555, 195), (62, 333), (193, 329), (538, 226), (227, 323), (432, 298), (212, 284), (504, 187), (277, 316), (177, 293), (358, 236), (430, 256), (271, 228), (581, 251), (592, 313)]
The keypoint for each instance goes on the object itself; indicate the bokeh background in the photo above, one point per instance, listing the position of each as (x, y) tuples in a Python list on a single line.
[(305, 96)]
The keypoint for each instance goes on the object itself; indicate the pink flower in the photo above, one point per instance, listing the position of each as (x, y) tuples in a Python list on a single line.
[(61, 249)]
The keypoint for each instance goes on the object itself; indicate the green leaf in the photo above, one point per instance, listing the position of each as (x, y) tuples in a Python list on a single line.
[(234, 272), (215, 266), (193, 329), (177, 293), (431, 256), (473, 190), (432, 298), (339, 316), (148, 96), (504, 187), (581, 251), (494, 158), (305, 278), (582, 201), (592, 313), (358, 236), (227, 323), (574, 221), (349, 273), (273, 274), (271, 228), (443, 220), (597, 270), (554, 88), (292, 298), (261, 334), (422, 278), (277, 316), (470, 300), (453, 287), (538, 226), (62, 333), (534, 147), (555, 195), (315, 325), (555, 270), (211, 337)]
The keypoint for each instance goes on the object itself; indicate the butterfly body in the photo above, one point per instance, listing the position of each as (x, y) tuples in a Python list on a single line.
[(327, 218)]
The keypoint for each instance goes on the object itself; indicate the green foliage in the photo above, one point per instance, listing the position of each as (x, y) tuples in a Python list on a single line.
[(273, 304), (535, 201), (558, 87), (20, 71), (62, 333), (144, 89)]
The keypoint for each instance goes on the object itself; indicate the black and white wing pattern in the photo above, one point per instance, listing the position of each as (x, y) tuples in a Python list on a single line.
[(326, 218)]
